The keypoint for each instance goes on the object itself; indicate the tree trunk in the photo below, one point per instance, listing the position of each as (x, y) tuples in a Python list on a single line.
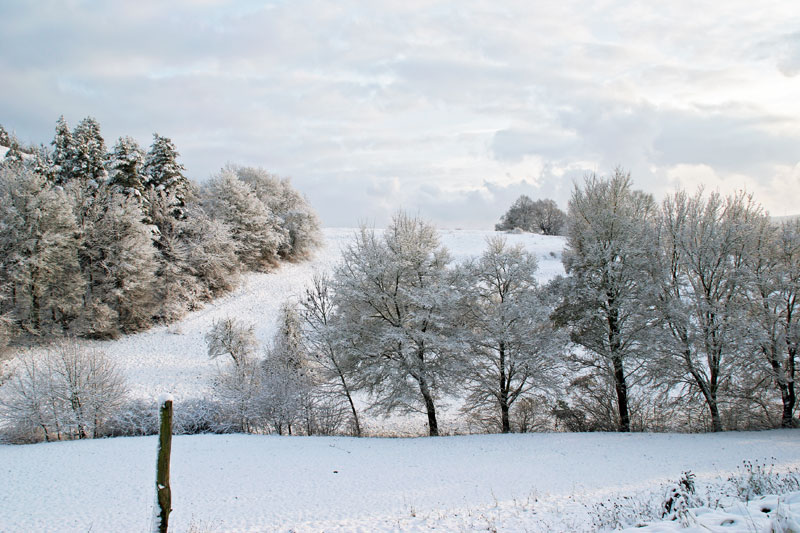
[(350, 401), (433, 426), (622, 395), (504, 419)]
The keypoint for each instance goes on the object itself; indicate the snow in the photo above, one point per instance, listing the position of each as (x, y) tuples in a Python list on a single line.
[(247, 483), (174, 358)]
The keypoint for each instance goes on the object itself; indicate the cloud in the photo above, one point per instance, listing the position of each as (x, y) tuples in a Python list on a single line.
[(449, 108)]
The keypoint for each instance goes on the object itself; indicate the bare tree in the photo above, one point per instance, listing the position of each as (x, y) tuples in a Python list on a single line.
[(703, 245), (231, 337), (508, 329), (325, 344), (605, 260), (67, 392)]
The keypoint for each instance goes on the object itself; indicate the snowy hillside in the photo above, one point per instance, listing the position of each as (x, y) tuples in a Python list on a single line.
[(249, 483), (174, 358)]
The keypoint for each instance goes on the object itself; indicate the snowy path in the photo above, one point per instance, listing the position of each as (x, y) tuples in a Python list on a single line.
[(269, 483)]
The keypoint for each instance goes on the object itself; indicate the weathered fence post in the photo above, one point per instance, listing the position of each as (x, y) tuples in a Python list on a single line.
[(163, 493)]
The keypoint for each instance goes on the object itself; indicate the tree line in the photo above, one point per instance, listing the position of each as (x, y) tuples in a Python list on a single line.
[(679, 315), (97, 242)]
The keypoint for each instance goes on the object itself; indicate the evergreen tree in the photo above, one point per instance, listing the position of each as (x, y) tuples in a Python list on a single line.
[(164, 173), (5, 139), (64, 152), (89, 156), (126, 167)]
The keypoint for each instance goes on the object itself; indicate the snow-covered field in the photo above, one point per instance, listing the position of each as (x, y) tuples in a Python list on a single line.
[(530, 482), (248, 483), (174, 358)]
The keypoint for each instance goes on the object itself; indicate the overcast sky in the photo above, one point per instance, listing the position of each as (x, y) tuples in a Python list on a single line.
[(447, 109)]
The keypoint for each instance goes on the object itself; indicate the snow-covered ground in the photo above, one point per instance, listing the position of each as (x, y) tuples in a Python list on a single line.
[(174, 358), (249, 483)]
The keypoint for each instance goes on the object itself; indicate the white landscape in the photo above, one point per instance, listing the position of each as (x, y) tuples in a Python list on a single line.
[(255, 483)]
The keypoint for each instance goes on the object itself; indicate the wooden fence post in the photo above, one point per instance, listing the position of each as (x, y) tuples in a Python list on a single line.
[(163, 493)]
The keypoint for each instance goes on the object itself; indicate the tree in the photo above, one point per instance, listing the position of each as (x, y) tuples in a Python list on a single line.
[(39, 249), (164, 173), (67, 392), (773, 271), (231, 337), (604, 294), (89, 154), (288, 379), (5, 139), (548, 217), (64, 152), (238, 386), (126, 167), (324, 344), (393, 297), (119, 264), (509, 335), (253, 226), (700, 273), (542, 216), (295, 215), (519, 215)]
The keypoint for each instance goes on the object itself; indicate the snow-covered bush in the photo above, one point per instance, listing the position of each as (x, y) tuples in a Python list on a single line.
[(67, 392)]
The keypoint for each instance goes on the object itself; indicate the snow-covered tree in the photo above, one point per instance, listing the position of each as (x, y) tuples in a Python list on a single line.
[(324, 343), (393, 299), (64, 152), (5, 139), (512, 345), (164, 172), (119, 263), (295, 215), (232, 337), (700, 272), (38, 251), (289, 380), (252, 224), (773, 272), (604, 294), (89, 155), (541, 216), (237, 386), (68, 392), (126, 167)]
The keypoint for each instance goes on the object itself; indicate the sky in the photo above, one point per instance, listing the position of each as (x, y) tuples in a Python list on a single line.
[(447, 109)]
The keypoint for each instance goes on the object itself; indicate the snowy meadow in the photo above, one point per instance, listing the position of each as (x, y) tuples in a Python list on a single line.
[(250, 483)]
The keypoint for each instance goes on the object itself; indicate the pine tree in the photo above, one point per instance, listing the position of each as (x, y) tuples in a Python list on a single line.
[(89, 156), (5, 140), (164, 173), (126, 167), (63, 152)]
